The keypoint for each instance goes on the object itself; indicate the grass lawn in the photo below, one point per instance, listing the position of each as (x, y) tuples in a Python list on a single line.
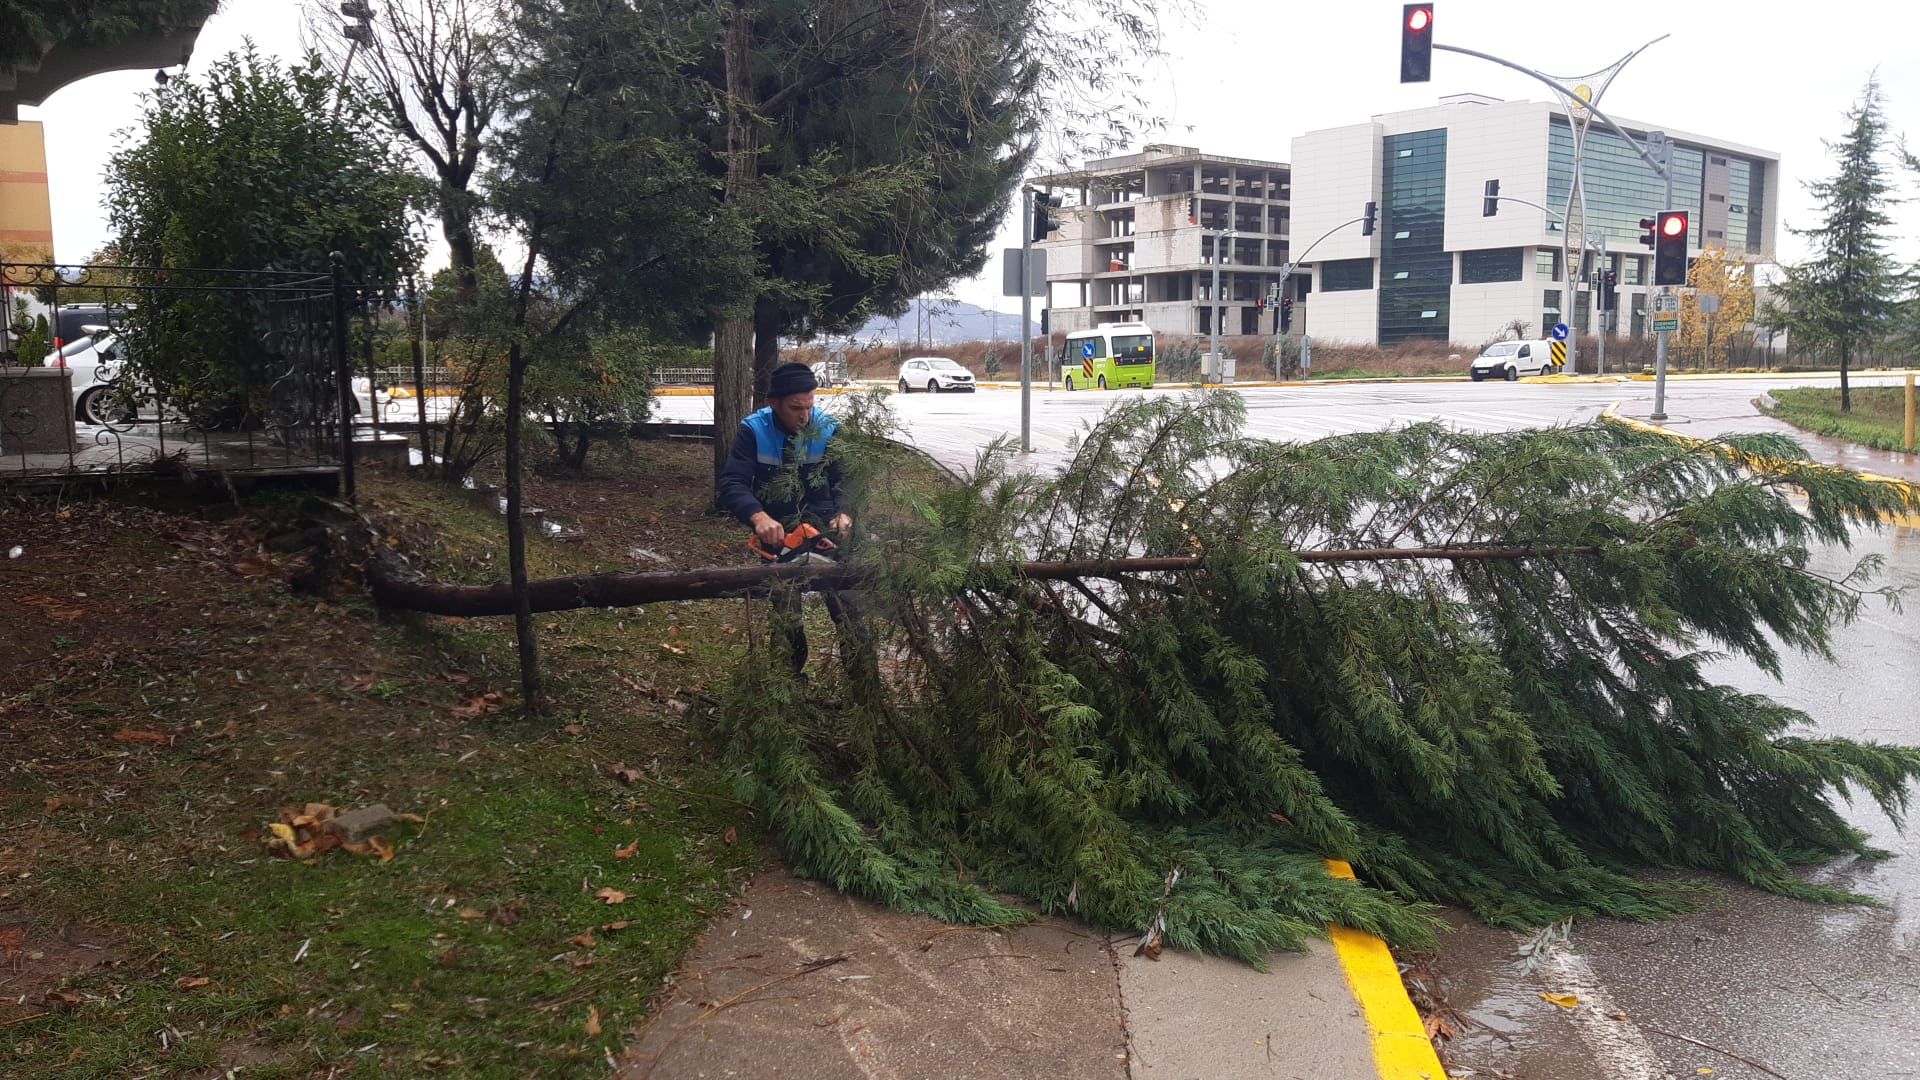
[(1877, 420), (165, 694)]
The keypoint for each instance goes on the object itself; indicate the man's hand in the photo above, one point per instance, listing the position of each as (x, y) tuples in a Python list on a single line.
[(769, 532), (840, 524)]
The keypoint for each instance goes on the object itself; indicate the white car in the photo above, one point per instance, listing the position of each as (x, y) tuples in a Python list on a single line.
[(94, 361), (934, 374), (1511, 359)]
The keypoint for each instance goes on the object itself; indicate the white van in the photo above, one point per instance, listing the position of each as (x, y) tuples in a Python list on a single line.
[(1511, 359)]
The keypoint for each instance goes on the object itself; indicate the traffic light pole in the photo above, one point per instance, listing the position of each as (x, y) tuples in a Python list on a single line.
[(1660, 343), (1026, 320)]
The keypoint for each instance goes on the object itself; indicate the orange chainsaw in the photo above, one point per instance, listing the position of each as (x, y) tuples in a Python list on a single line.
[(802, 540)]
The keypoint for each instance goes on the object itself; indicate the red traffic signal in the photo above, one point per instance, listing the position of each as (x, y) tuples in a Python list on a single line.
[(1416, 43), (1670, 249)]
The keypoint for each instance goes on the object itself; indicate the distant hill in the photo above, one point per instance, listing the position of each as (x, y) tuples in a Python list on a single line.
[(941, 322)]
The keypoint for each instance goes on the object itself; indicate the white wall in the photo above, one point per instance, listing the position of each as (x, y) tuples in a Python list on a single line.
[(1339, 316), (1479, 311), (1336, 172)]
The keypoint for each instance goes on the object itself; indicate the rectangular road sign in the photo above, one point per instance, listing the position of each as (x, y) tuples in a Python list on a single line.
[(1666, 322), (1010, 272), (1666, 303)]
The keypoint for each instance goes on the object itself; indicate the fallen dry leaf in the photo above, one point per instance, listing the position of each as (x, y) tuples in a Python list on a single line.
[(593, 1021), (10, 939), (611, 895), (626, 775), (629, 851), (1438, 1028), (190, 983), (490, 702), (731, 836), (1565, 1001), (63, 999), (672, 648), (67, 614), (573, 729), (620, 924), (55, 802), (504, 914), (128, 736), (1616, 1016), (468, 913), (585, 940)]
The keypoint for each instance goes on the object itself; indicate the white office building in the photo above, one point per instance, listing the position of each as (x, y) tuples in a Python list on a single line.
[(1437, 268), (1137, 238)]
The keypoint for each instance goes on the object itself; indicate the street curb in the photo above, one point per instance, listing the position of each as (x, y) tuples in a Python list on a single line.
[(1912, 490), (1401, 1048)]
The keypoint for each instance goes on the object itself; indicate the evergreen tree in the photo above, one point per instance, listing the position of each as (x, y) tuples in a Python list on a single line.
[(1844, 296), (1495, 694)]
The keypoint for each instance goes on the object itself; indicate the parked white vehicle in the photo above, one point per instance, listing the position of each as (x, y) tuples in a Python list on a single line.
[(934, 374), (1511, 359), (94, 362)]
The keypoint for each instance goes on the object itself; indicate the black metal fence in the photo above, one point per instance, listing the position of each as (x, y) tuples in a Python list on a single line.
[(284, 400)]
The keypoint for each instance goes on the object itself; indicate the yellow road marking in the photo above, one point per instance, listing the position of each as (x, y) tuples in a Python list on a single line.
[(1401, 1049)]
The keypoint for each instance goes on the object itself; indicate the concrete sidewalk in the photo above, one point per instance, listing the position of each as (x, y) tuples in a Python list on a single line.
[(798, 982), (1711, 423)]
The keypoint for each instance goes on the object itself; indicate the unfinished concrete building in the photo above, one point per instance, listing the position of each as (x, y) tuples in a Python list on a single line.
[(1137, 239)]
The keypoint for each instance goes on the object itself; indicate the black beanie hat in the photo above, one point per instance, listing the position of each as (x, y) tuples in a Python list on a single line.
[(791, 379)]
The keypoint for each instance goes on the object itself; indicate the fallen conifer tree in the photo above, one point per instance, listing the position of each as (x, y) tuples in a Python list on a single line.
[(1176, 752), (1158, 689)]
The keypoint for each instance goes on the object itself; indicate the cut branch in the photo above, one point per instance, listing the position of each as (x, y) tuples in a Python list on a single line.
[(397, 586)]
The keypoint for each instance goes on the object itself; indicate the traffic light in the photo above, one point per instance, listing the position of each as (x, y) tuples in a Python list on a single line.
[(1044, 204), (1193, 209), (1490, 205), (1646, 238), (1369, 219), (1416, 43), (1286, 314), (1670, 249), (1610, 291)]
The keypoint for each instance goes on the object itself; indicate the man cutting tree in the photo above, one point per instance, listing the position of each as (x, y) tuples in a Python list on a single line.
[(780, 482)]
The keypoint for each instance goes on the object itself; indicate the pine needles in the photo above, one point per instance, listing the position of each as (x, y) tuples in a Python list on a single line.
[(1512, 735)]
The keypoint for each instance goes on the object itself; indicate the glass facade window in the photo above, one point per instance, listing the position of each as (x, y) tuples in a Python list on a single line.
[(1346, 275), (1549, 309), (1745, 195), (1546, 264), (1492, 264), (1632, 270), (1413, 189), (1621, 189)]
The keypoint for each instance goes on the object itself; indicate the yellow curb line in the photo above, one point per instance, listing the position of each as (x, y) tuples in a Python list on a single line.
[(1401, 1049), (1912, 521)]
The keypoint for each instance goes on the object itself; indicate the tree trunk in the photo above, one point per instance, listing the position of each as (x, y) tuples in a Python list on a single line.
[(532, 696), (1846, 392), (767, 324), (456, 224), (395, 585), (733, 327)]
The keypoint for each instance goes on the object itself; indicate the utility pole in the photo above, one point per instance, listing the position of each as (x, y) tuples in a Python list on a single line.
[(1220, 244)]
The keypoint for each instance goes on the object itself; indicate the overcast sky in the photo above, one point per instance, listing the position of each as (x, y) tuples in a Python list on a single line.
[(1243, 77)]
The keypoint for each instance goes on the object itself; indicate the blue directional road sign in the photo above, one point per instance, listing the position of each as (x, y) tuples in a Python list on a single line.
[(1086, 350), (1559, 331)]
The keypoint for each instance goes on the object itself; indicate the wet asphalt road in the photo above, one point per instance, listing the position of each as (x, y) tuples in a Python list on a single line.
[(1811, 992)]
